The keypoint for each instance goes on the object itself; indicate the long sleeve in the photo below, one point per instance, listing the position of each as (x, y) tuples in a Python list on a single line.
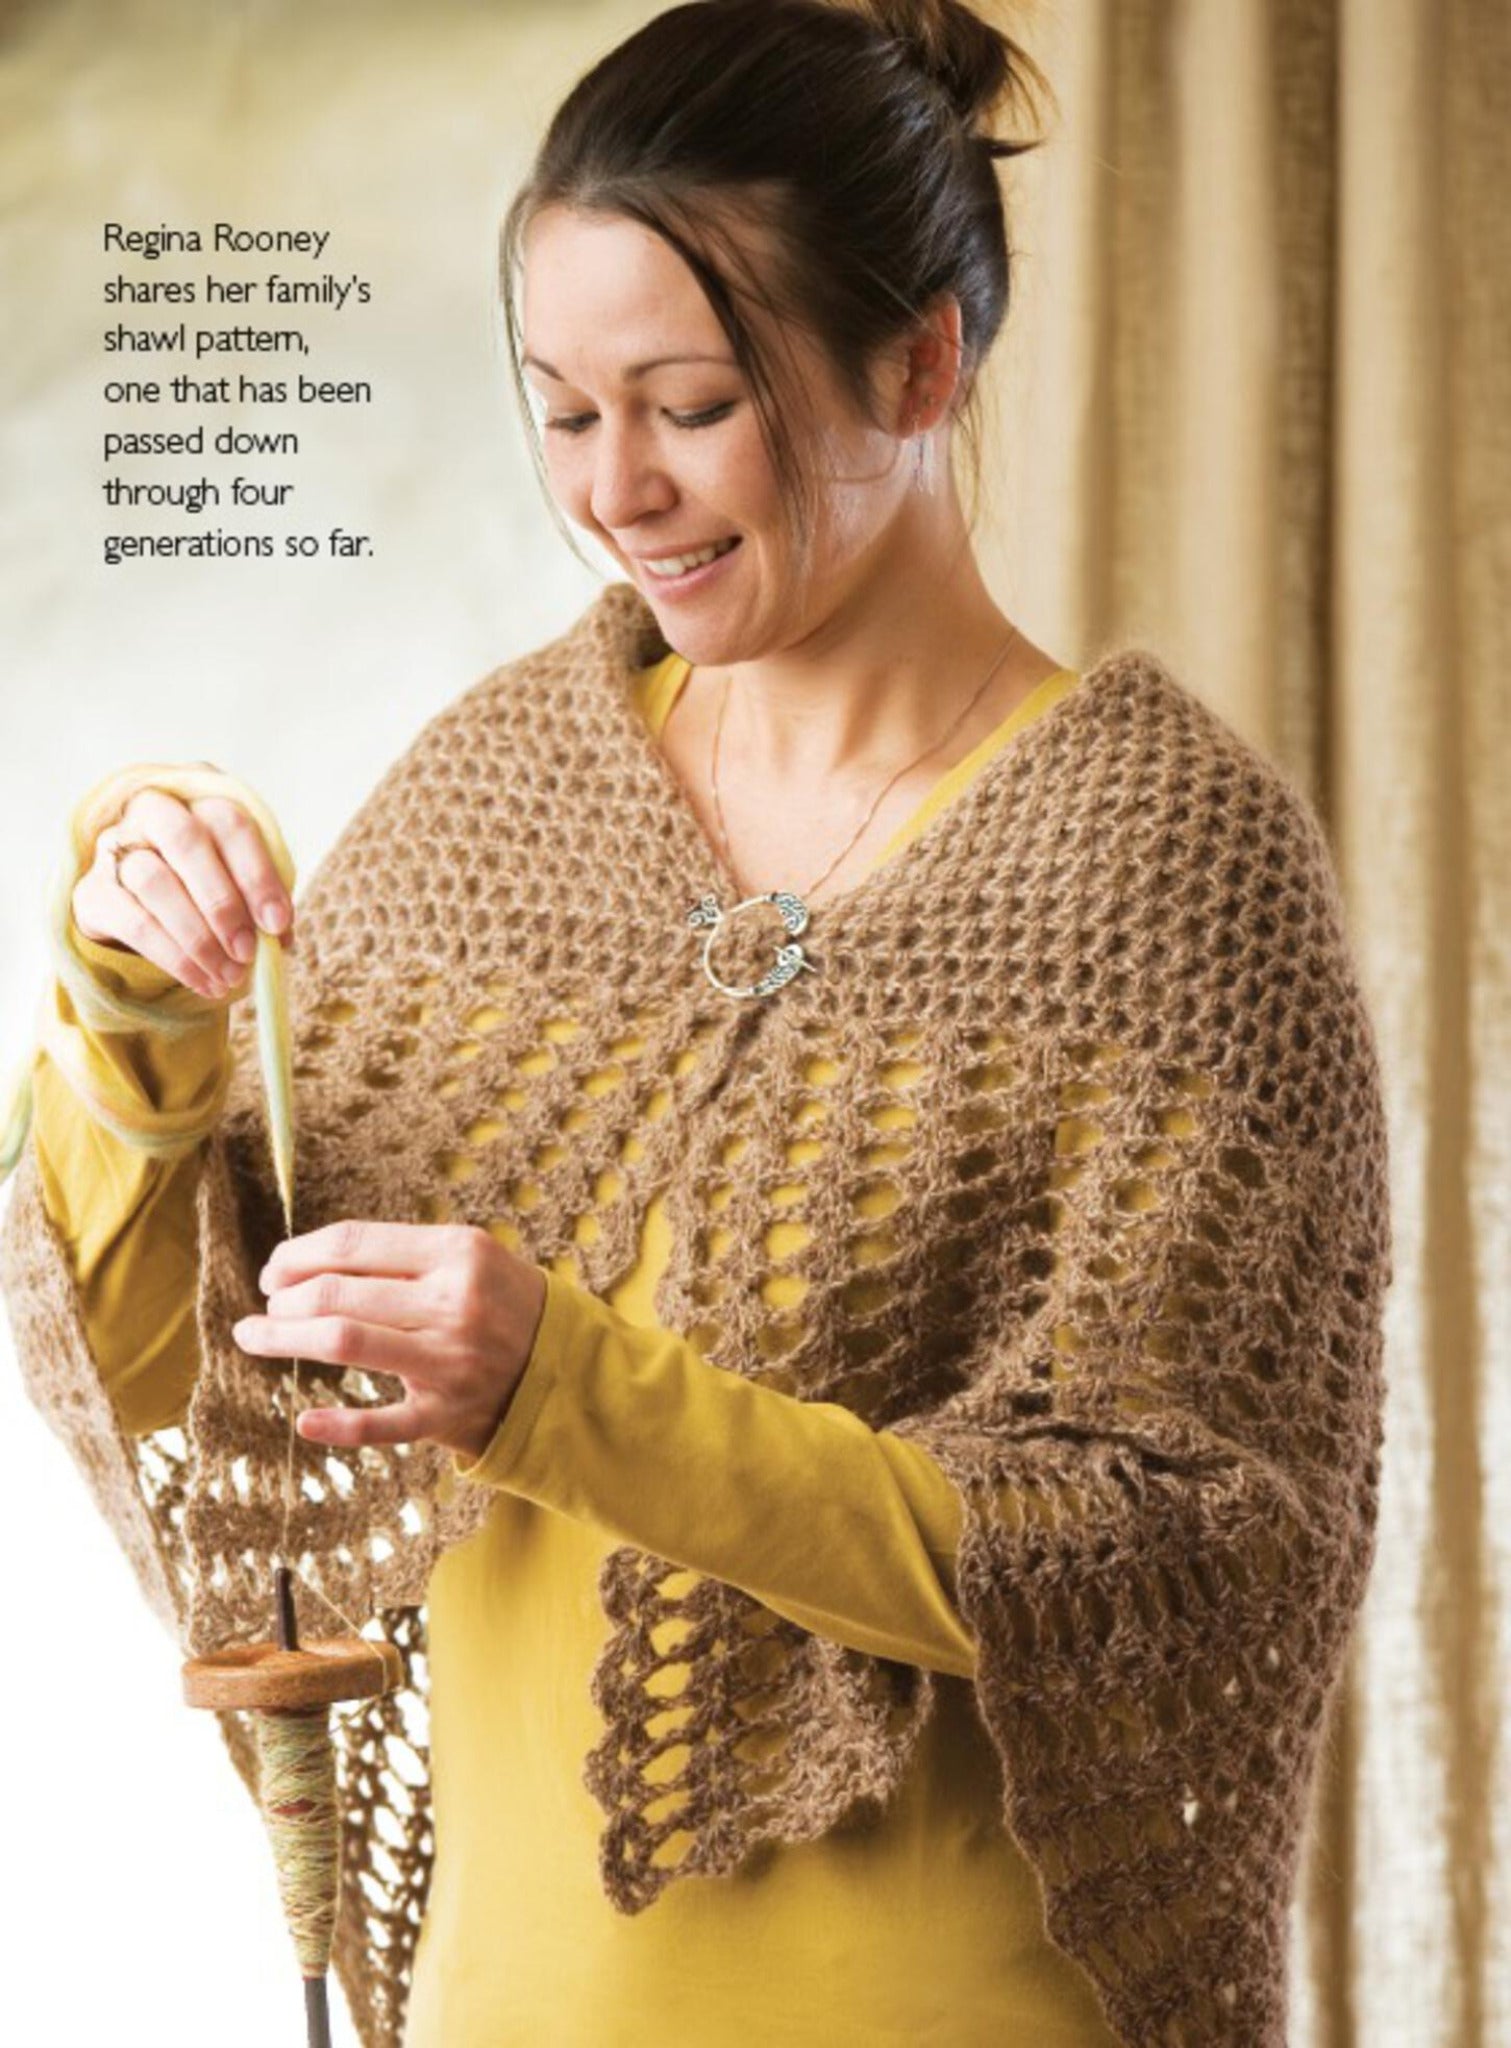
[(846, 1530), (127, 1216)]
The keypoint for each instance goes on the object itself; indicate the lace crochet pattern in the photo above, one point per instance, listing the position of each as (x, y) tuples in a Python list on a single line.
[(1128, 1292)]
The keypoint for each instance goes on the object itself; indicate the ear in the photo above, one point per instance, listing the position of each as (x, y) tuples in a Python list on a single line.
[(933, 361)]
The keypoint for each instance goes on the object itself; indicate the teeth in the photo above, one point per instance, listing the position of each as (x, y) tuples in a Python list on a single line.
[(678, 565)]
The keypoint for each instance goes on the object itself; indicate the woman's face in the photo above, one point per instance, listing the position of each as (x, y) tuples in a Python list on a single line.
[(653, 446)]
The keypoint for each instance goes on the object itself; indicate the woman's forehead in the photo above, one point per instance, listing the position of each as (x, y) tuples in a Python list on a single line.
[(606, 301), (611, 292)]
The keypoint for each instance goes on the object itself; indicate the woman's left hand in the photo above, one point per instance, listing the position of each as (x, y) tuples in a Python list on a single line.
[(444, 1306)]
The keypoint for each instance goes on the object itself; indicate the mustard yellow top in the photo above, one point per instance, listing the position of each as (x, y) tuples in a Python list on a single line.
[(927, 1926)]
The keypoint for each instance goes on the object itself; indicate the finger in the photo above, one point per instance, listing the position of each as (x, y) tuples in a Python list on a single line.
[(193, 851), (360, 1245), (104, 903), (351, 1428), (245, 854), (333, 1340), (396, 1303), (147, 878)]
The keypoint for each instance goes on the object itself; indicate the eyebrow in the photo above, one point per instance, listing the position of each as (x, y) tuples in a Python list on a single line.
[(634, 369)]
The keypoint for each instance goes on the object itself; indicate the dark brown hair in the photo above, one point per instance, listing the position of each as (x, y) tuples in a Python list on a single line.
[(848, 134)]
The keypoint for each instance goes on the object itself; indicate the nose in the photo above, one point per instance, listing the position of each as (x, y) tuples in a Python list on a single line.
[(628, 482)]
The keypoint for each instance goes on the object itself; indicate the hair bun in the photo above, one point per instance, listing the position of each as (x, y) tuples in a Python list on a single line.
[(964, 55)]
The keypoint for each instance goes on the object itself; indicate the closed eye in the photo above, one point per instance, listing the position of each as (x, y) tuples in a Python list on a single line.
[(574, 423)]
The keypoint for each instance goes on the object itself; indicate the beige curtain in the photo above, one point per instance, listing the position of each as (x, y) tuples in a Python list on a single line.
[(1252, 408)]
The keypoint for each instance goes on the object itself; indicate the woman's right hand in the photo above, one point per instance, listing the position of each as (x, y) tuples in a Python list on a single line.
[(188, 898)]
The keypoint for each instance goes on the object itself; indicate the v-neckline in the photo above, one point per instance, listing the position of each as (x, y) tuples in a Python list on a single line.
[(626, 635), (948, 792)]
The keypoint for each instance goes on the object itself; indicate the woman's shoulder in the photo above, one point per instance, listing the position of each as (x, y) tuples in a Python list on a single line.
[(1171, 732), (1193, 827)]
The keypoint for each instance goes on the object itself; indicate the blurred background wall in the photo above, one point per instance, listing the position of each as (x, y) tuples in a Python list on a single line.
[(1251, 408)]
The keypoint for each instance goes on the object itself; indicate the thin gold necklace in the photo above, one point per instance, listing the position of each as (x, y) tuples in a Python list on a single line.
[(709, 916)]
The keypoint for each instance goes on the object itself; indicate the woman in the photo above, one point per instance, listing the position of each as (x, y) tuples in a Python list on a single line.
[(887, 1460)]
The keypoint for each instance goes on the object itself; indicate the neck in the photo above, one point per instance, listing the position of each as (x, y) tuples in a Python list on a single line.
[(883, 674), (879, 681)]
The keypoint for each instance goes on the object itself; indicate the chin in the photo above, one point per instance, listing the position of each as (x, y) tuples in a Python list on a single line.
[(703, 642)]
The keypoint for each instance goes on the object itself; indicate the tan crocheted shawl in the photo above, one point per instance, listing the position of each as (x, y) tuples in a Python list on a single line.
[(1131, 1301)]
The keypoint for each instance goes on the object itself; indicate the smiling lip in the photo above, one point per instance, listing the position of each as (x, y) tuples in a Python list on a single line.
[(692, 547), (687, 583)]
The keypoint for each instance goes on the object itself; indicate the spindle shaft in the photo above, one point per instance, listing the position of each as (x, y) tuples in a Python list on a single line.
[(288, 1621)]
